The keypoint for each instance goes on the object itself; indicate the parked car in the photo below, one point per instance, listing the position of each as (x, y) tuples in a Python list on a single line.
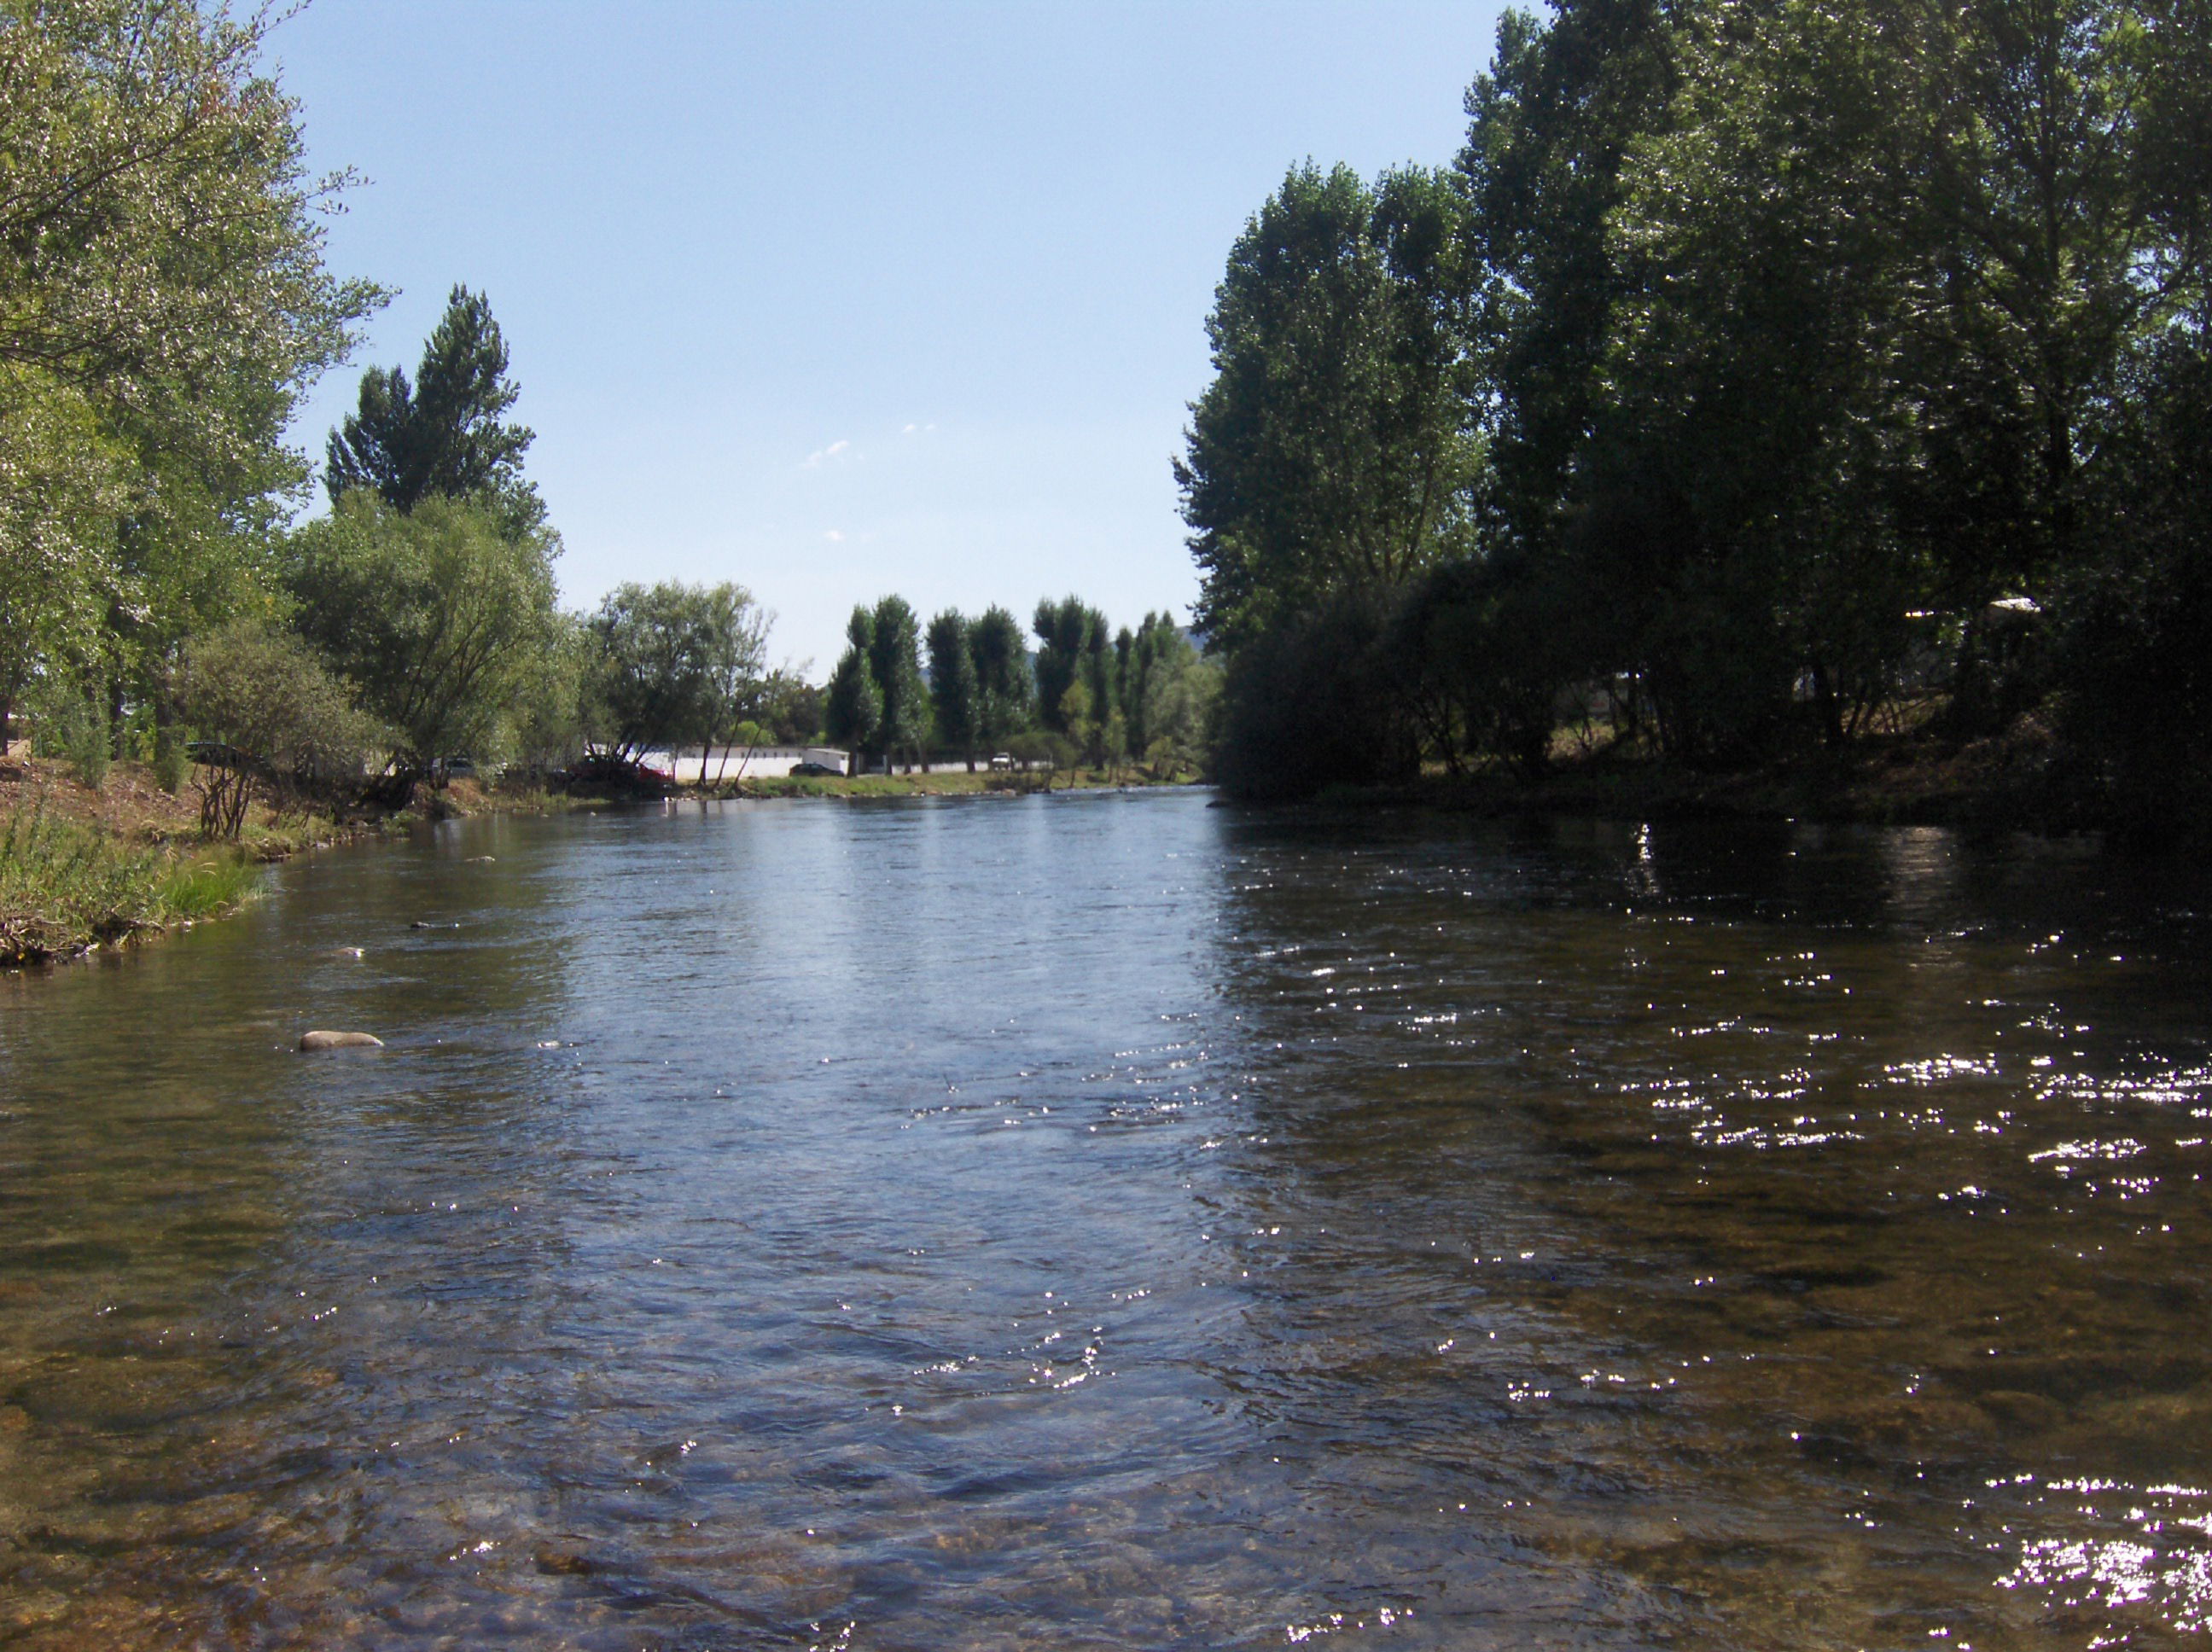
[(1002, 760), (810, 767)]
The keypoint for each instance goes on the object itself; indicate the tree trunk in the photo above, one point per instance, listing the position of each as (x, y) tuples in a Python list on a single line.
[(1824, 703)]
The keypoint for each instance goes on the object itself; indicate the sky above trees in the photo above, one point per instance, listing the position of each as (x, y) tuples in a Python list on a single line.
[(840, 299)]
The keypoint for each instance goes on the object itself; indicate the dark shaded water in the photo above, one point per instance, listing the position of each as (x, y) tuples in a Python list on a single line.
[(1109, 1221)]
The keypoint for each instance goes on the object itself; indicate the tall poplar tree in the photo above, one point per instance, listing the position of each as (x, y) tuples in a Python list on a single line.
[(952, 687)]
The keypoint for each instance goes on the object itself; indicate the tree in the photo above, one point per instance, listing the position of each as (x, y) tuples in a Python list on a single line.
[(733, 662), (1183, 692), (790, 707), (434, 615), (1329, 453), (550, 713), (1066, 632), (1005, 691), (952, 687), (162, 303), (1549, 124), (651, 679), (853, 707), (895, 666), (442, 436), (277, 720)]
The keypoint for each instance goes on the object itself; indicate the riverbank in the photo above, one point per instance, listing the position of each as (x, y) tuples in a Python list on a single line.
[(982, 782), (86, 867), (2016, 783)]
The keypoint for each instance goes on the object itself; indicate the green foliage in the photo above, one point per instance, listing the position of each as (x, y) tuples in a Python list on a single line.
[(69, 721), (1330, 452), (790, 708), (953, 691), (171, 765), (1182, 690), (1069, 635), (1005, 691), (852, 708), (548, 724), (1077, 722), (435, 616), (163, 304), (2136, 648), (65, 886), (895, 665), (442, 436), (673, 665), (1483, 655), (286, 725), (1310, 703), (1749, 344)]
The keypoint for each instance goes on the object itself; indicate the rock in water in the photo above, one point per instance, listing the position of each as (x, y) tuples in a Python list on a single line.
[(340, 1040)]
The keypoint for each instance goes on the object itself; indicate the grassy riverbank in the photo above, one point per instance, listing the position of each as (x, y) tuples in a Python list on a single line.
[(83, 867)]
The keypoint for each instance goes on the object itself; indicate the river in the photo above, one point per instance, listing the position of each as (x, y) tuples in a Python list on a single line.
[(1118, 1221)]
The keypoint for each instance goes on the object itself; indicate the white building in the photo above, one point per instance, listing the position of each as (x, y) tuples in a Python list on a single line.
[(725, 763)]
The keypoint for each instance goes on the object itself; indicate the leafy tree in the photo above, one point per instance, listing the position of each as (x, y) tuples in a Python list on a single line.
[(1136, 655), (434, 615), (280, 722), (791, 708), (1329, 453), (733, 662), (1078, 723), (853, 707), (1182, 694), (550, 717), (1312, 701), (674, 663), (1550, 123), (895, 666), (1067, 633), (443, 436), (952, 687), (1005, 691), (1754, 399), (162, 302)]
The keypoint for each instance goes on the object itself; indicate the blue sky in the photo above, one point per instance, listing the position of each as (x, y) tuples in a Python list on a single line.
[(835, 300)]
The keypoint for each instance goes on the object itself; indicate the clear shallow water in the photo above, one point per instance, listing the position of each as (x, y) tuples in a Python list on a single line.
[(1107, 1221)]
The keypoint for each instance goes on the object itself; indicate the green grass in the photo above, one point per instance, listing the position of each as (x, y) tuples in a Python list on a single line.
[(66, 887)]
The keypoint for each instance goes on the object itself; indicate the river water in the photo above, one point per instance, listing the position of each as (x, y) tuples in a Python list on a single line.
[(1106, 1221)]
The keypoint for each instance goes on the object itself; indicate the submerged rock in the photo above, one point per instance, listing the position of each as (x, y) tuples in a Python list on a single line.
[(339, 1040)]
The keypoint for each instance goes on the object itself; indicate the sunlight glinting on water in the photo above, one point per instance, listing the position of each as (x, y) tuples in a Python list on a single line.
[(1118, 1221)]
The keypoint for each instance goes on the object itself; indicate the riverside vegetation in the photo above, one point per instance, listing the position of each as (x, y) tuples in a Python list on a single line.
[(163, 307), (1761, 388), (1771, 392)]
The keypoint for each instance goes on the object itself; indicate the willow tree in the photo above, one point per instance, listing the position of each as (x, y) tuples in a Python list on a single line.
[(436, 617)]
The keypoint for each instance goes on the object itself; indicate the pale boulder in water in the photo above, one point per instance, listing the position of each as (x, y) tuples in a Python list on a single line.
[(340, 1040)]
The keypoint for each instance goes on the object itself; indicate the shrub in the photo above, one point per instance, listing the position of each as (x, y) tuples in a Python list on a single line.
[(270, 718)]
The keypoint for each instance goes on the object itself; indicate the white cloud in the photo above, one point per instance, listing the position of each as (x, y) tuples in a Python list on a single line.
[(836, 536), (822, 456), (909, 429)]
